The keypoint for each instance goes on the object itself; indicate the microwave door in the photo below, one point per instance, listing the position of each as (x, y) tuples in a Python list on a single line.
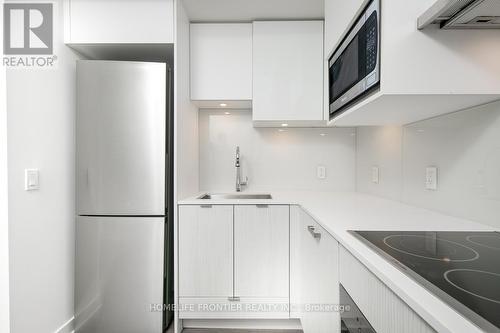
[(354, 67), (345, 71), (347, 75)]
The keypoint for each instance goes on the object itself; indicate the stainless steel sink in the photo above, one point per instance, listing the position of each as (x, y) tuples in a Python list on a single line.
[(235, 196)]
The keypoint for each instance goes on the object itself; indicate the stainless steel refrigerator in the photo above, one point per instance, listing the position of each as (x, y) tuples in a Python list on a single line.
[(123, 231)]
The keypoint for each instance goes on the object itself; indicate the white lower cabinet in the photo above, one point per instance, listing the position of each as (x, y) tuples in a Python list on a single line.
[(277, 262), (385, 311), (314, 274), (261, 258), (234, 261), (205, 258)]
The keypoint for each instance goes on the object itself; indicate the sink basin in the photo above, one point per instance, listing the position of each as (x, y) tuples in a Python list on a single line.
[(235, 196)]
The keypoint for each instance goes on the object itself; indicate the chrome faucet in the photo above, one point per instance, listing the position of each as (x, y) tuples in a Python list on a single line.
[(239, 183)]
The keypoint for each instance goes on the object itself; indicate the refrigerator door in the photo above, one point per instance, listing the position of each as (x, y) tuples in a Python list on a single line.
[(121, 135), (119, 274)]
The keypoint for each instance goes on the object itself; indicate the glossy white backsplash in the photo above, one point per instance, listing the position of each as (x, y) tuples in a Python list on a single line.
[(379, 147), (273, 159), (464, 146)]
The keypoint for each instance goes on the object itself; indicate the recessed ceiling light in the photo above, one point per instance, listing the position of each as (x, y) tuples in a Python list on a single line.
[(322, 134), (223, 104), (281, 130), (227, 112), (284, 125)]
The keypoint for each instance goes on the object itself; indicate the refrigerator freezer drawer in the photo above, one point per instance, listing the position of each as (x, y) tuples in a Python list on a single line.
[(121, 138), (119, 274)]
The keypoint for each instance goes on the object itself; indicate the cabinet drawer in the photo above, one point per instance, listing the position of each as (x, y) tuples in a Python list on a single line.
[(385, 311)]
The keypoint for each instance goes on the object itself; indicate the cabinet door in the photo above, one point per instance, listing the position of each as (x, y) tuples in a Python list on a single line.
[(261, 252), (206, 251), (287, 72), (110, 21), (314, 274), (221, 61)]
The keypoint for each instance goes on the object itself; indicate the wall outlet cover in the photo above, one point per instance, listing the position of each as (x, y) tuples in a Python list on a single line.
[(431, 178), (321, 172), (375, 174), (31, 179)]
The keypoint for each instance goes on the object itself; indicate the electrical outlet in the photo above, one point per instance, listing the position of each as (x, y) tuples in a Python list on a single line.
[(431, 178), (321, 172), (375, 174), (31, 180)]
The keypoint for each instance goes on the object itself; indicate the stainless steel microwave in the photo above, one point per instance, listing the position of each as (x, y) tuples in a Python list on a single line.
[(354, 67)]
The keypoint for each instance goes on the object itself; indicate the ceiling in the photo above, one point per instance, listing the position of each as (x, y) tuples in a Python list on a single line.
[(250, 10)]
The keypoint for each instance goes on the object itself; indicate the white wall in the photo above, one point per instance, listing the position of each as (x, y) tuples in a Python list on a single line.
[(41, 115), (186, 128), (379, 147), (465, 146), (186, 112), (4, 225), (273, 159)]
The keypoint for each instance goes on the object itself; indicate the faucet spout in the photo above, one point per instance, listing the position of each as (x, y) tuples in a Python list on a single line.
[(239, 183)]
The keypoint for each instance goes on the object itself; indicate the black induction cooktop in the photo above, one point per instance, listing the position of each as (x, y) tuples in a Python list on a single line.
[(461, 268)]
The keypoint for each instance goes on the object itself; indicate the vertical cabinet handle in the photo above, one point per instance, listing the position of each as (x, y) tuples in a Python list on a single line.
[(314, 233)]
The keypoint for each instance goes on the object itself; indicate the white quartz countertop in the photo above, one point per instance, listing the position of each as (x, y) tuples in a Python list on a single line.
[(339, 212)]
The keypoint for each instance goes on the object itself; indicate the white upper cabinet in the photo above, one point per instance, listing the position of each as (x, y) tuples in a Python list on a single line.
[(110, 21), (423, 73), (221, 62), (288, 73)]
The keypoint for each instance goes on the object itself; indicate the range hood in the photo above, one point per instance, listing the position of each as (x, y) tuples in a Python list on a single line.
[(462, 14)]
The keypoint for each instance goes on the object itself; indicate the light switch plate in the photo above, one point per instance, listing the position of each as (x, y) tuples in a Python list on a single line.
[(321, 172), (31, 179), (375, 174), (431, 178)]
